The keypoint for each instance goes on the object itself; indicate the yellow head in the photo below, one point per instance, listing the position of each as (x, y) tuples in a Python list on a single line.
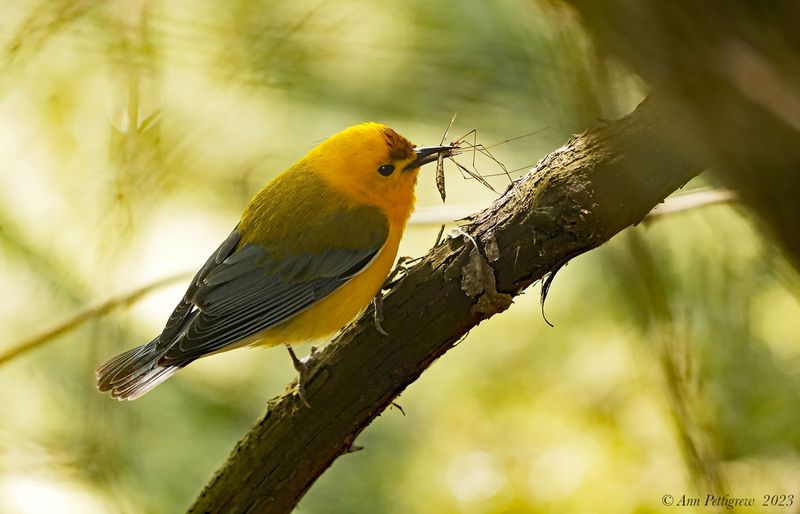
[(372, 164)]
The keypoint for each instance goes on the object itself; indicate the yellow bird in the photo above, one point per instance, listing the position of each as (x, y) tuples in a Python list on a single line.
[(311, 250)]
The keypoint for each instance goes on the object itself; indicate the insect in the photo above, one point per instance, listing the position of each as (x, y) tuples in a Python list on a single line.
[(469, 142), (440, 177), (440, 161)]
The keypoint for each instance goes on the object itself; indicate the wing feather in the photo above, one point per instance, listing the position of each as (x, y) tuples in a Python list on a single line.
[(251, 283), (254, 287)]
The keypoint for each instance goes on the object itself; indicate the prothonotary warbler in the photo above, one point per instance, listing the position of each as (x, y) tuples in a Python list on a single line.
[(310, 251)]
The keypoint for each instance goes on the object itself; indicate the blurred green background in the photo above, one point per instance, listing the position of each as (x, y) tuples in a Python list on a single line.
[(131, 136)]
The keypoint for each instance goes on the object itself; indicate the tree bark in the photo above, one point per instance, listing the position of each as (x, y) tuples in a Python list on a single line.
[(574, 200)]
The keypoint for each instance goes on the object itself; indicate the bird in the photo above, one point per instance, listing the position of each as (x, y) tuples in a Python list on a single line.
[(312, 248)]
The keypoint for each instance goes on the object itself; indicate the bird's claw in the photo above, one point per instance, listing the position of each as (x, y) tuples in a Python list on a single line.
[(402, 266), (377, 306), (391, 280), (301, 366)]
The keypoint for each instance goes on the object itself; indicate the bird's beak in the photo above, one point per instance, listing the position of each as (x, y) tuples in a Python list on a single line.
[(426, 154)]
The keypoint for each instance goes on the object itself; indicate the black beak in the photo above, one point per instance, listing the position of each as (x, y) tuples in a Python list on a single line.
[(426, 154)]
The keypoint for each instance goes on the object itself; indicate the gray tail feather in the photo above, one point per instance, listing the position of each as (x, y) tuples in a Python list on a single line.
[(131, 374)]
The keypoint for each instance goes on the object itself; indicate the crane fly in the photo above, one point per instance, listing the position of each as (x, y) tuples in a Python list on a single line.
[(469, 142)]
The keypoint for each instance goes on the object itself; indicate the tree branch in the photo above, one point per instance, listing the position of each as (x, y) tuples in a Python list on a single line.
[(575, 199), (19, 348)]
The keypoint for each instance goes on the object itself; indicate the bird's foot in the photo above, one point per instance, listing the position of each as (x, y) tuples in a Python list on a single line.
[(301, 366), (402, 266), (377, 302), (377, 306)]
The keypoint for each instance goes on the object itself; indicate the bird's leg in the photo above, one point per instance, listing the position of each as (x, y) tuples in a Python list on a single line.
[(301, 366), (377, 305), (401, 267), (377, 301)]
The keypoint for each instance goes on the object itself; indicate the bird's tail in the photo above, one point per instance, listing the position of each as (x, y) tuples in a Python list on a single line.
[(131, 374)]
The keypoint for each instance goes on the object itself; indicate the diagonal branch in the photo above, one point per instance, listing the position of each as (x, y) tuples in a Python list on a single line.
[(98, 311), (574, 200)]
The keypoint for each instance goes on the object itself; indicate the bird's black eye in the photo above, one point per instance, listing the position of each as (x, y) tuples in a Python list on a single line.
[(386, 169)]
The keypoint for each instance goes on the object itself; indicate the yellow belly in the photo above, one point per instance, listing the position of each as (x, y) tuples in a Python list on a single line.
[(337, 309)]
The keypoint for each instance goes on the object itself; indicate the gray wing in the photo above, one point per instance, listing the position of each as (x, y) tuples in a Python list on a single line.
[(239, 293)]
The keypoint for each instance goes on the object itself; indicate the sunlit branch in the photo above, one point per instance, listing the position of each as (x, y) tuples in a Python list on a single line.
[(22, 347)]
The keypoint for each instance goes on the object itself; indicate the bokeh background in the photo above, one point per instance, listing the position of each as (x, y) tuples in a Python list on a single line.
[(132, 134)]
